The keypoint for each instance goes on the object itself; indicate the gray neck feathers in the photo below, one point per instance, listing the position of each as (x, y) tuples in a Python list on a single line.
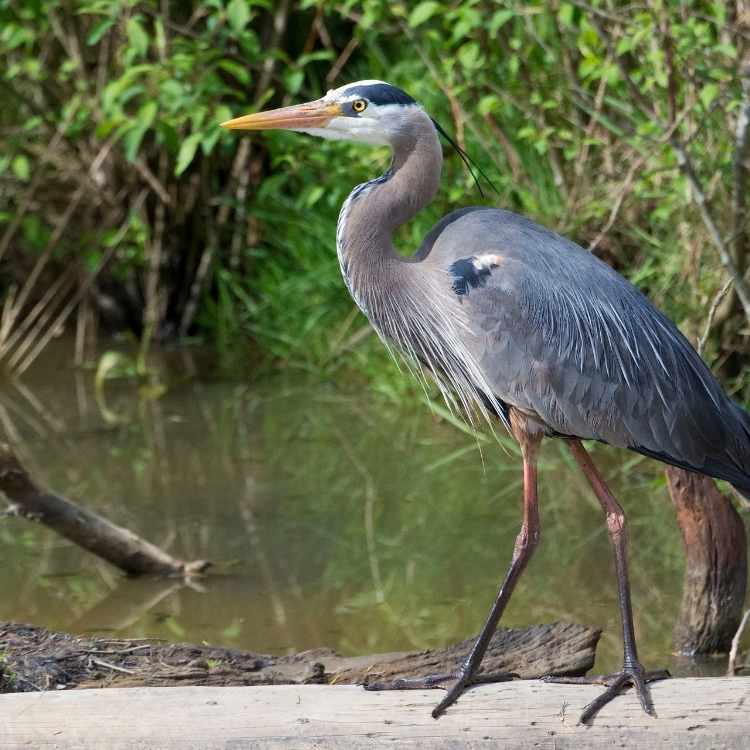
[(372, 269), (410, 304)]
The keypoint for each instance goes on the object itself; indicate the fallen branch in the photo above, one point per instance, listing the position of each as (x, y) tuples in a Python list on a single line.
[(87, 529), (35, 658)]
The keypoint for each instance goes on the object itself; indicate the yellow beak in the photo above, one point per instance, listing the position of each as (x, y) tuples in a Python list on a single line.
[(315, 114)]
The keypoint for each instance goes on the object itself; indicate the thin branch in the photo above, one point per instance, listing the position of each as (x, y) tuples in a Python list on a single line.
[(37, 318), (52, 243), (712, 314), (617, 205), (81, 291), (342, 59), (113, 667), (740, 172), (686, 167), (154, 182), (28, 196), (638, 97), (731, 667)]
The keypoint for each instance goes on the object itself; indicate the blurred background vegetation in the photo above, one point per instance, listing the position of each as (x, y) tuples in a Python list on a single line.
[(124, 208)]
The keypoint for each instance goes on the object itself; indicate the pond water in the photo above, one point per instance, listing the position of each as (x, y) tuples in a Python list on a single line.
[(334, 518)]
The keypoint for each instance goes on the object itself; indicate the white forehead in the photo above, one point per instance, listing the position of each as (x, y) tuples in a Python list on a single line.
[(341, 93)]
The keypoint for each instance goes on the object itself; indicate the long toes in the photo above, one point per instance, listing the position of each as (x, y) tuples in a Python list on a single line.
[(369, 684), (644, 696), (454, 691), (658, 674), (593, 708), (409, 683), (562, 680)]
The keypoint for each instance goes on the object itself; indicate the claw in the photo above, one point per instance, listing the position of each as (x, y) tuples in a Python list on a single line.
[(455, 684), (616, 683)]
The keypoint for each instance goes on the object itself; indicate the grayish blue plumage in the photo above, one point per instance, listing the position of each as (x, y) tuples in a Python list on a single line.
[(520, 324), (565, 338)]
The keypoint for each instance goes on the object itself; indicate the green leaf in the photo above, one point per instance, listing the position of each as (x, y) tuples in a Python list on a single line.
[(187, 152), (161, 37), (238, 14), (21, 168), (208, 141), (222, 113), (99, 30), (315, 194), (708, 94), (113, 364), (468, 20), (137, 36), (293, 81), (143, 121), (566, 14), (488, 104), (469, 55), (499, 20), (423, 12), (240, 72)]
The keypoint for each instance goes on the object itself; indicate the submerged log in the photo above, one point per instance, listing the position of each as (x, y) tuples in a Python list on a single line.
[(715, 577), (37, 659), (87, 529)]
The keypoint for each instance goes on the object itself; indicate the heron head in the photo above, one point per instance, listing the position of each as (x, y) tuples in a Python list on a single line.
[(371, 112)]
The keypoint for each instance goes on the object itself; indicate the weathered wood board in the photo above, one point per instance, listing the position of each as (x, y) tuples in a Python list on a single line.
[(693, 713)]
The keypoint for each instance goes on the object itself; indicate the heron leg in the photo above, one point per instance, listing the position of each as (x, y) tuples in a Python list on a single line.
[(632, 672), (526, 542)]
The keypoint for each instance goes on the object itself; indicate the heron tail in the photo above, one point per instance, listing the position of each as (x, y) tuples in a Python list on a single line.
[(731, 466), (743, 486)]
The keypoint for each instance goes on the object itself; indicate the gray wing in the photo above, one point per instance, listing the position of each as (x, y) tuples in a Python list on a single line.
[(561, 336)]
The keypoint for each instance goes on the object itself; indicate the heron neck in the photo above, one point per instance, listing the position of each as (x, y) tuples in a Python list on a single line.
[(373, 211)]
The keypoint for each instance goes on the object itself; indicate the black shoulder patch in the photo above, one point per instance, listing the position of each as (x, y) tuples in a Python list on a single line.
[(468, 274), (382, 93)]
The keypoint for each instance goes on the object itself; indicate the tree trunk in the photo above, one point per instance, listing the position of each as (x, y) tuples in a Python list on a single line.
[(715, 566)]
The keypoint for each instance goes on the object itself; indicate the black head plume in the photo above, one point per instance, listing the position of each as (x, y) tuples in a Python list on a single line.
[(467, 160)]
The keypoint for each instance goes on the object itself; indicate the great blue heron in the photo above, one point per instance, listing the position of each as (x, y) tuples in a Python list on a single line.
[(522, 325)]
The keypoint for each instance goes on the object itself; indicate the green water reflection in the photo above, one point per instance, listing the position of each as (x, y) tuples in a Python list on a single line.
[(335, 518)]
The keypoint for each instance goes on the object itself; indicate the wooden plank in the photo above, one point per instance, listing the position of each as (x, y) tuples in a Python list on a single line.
[(693, 713)]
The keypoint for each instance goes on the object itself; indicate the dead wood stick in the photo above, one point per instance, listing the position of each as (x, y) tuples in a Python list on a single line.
[(87, 529)]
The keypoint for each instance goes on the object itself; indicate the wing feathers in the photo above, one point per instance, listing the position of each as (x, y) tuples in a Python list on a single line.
[(564, 336)]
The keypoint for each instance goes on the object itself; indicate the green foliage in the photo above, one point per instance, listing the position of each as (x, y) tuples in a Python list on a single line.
[(570, 110)]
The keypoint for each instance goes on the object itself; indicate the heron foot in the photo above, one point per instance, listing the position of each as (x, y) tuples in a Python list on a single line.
[(454, 683), (632, 674)]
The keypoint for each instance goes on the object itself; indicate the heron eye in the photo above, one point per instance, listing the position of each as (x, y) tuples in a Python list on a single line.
[(360, 105)]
